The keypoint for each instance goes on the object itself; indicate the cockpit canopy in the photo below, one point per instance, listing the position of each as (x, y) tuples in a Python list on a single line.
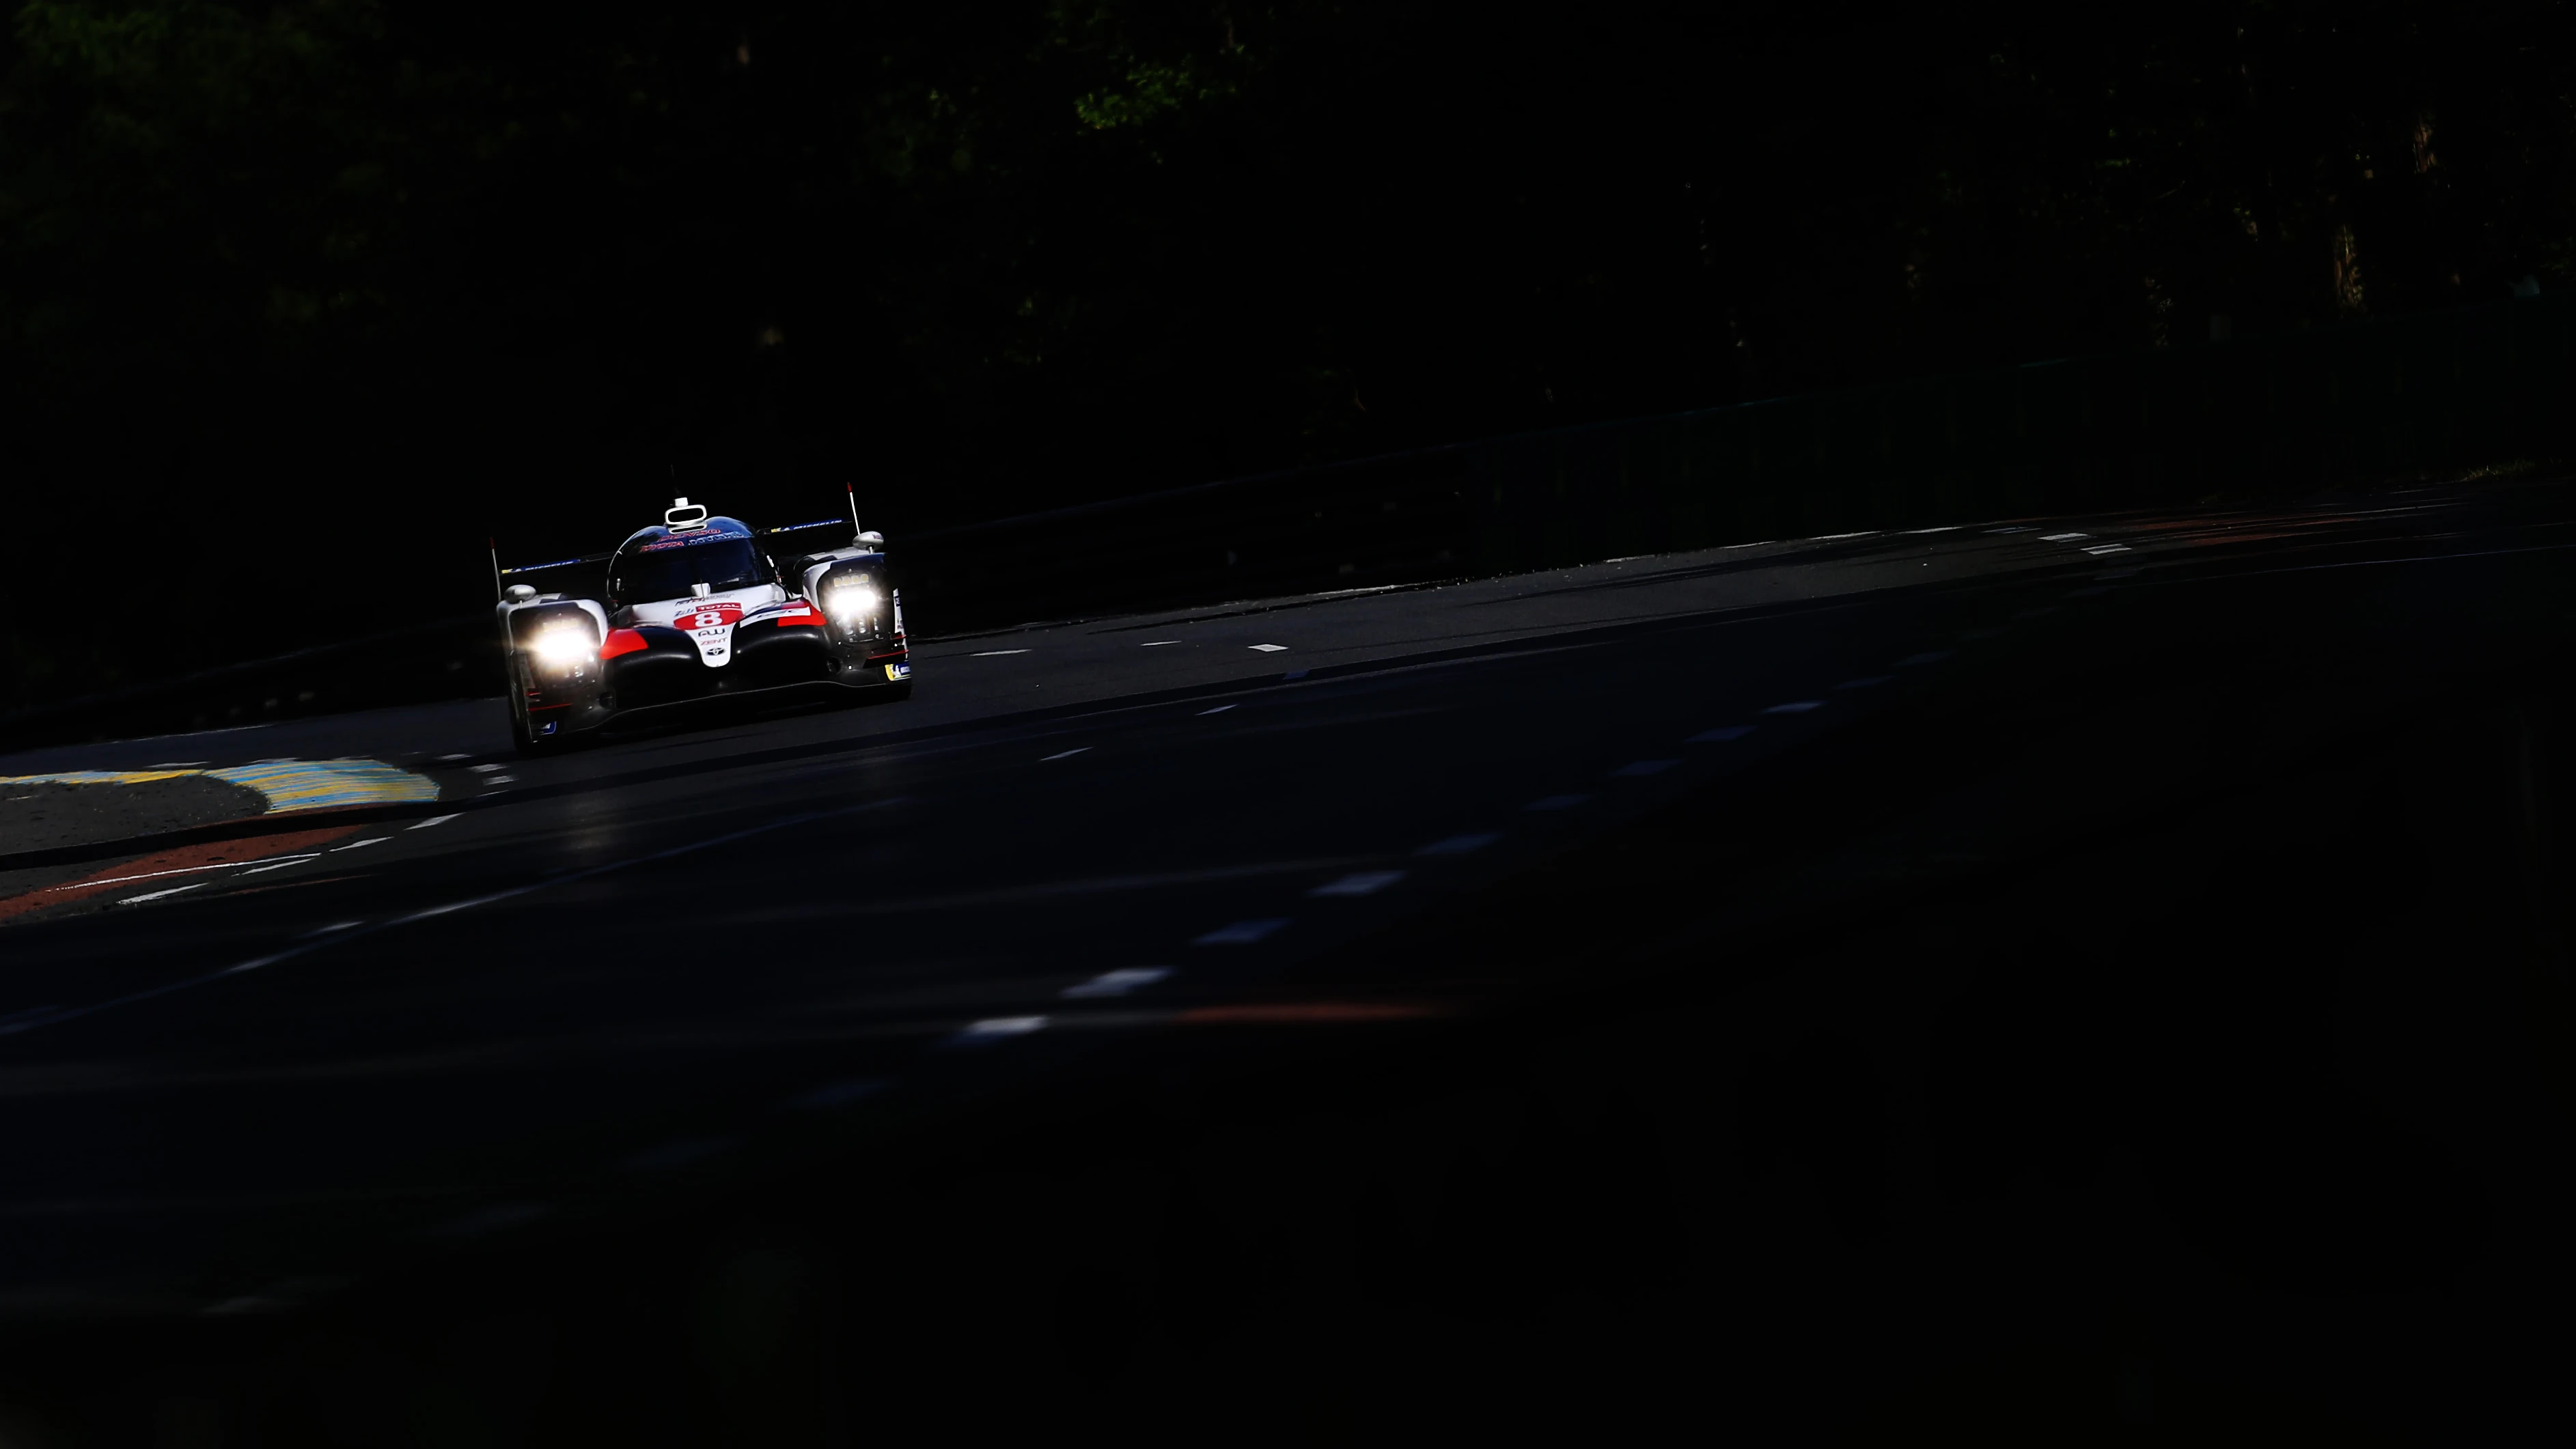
[(661, 563)]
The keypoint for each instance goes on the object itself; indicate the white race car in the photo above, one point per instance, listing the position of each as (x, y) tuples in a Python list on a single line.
[(694, 607)]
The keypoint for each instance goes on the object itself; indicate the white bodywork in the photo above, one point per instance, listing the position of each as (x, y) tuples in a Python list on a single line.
[(710, 619)]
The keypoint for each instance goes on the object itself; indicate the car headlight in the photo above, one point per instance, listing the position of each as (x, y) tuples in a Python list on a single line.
[(850, 604), (562, 647)]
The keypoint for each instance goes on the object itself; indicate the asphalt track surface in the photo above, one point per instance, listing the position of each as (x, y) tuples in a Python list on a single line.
[(719, 959)]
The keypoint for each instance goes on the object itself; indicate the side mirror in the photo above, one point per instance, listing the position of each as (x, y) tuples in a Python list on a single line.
[(518, 593)]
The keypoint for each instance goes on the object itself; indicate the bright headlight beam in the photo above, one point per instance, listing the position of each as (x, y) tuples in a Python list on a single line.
[(848, 603), (561, 647)]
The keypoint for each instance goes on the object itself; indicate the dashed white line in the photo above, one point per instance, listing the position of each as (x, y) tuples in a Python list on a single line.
[(335, 926), (1241, 933), (1067, 755), (995, 1028), (1268, 648), (1220, 709), (2062, 537), (1719, 736), (1458, 844), (177, 870), (167, 988), (1116, 983), (362, 844), (1557, 802), (1638, 769), (282, 864), (995, 653), (156, 895), (2103, 548), (1796, 706), (488, 769), (1157, 643), (2016, 528), (433, 820), (1361, 883)]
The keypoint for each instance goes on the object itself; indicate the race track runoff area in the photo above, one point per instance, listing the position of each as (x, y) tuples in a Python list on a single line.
[(2046, 980)]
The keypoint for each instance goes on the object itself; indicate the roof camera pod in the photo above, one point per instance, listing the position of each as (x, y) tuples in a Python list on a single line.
[(682, 514)]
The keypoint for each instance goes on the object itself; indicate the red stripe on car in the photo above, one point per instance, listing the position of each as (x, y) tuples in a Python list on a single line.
[(621, 641)]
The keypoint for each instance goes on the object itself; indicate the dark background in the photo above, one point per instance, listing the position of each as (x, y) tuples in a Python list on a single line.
[(299, 302)]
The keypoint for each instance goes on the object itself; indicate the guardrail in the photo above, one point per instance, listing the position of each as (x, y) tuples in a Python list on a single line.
[(2276, 414)]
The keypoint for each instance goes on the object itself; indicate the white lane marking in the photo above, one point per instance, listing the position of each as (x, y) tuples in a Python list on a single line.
[(1241, 933), (433, 820), (1830, 537), (363, 844), (1719, 736), (1944, 528), (1928, 656), (995, 653), (488, 769), (1116, 983), (1638, 769), (567, 878), (1157, 643), (336, 926), (1220, 709), (1557, 802), (2016, 528), (178, 870), (452, 759), (1458, 844), (2103, 548), (1067, 755), (994, 1027), (1361, 883), (283, 864), (1269, 648), (2062, 537), (501, 780), (1866, 681), (156, 895), (1800, 706)]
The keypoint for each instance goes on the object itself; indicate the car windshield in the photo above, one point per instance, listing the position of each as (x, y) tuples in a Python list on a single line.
[(666, 568)]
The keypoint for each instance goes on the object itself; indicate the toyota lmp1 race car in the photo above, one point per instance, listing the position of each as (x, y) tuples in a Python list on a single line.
[(694, 608)]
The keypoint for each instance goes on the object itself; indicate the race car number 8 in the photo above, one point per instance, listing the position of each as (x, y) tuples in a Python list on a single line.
[(708, 620)]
